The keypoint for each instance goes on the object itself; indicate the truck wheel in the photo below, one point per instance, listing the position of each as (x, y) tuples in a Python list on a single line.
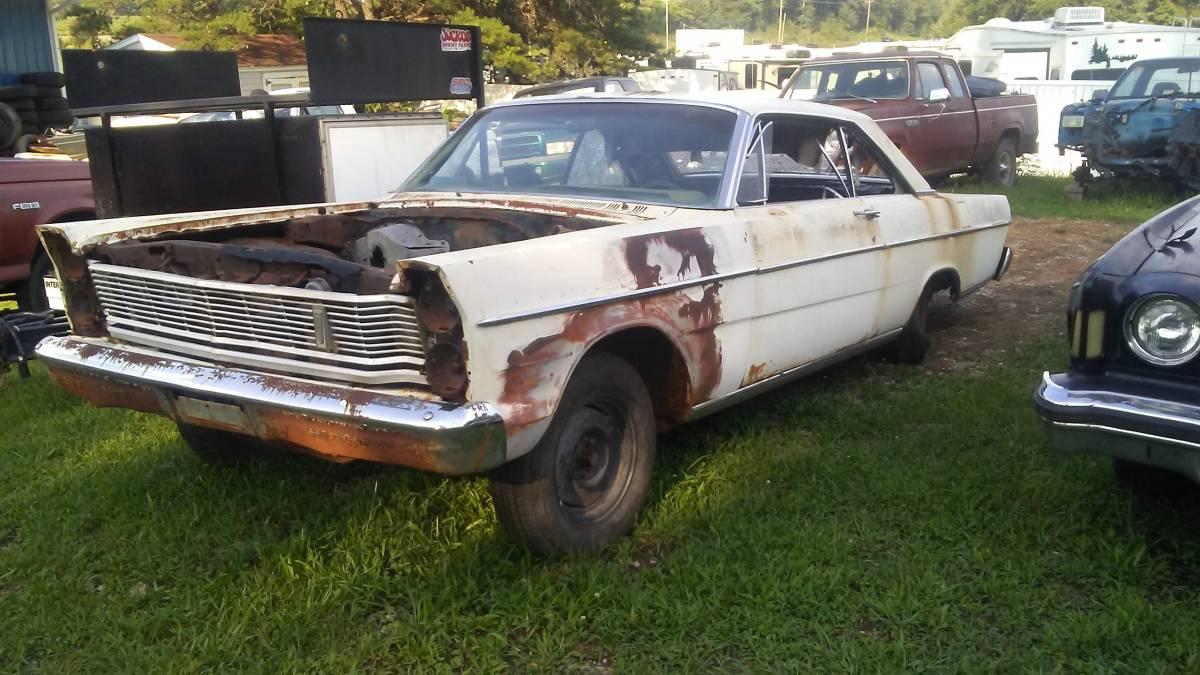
[(31, 295), (582, 486), (1002, 169), (221, 448), (1151, 481), (914, 341)]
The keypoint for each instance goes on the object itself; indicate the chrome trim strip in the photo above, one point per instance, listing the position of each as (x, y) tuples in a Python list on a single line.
[(1122, 404), (955, 112), (254, 289), (1100, 428), (712, 278), (780, 379)]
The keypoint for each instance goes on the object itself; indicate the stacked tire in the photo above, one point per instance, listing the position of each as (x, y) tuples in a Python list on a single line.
[(18, 113), (52, 111)]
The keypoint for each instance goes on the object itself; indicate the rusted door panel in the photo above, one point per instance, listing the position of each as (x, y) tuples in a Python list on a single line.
[(814, 294)]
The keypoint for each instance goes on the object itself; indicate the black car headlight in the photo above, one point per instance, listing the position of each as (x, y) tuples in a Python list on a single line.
[(1163, 329)]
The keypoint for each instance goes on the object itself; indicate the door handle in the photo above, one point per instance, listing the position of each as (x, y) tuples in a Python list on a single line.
[(869, 214)]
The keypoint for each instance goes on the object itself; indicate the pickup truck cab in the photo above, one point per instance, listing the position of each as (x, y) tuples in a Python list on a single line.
[(924, 104), (35, 192)]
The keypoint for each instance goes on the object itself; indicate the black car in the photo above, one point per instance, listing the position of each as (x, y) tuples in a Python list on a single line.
[(1133, 388)]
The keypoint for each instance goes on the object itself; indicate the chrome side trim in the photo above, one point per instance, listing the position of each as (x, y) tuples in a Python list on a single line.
[(780, 379), (1125, 433), (712, 278)]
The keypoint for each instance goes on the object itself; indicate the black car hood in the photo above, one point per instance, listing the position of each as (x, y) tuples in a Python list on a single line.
[(1168, 242)]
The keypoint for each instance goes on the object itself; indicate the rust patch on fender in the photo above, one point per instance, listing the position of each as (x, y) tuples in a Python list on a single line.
[(530, 387), (754, 374)]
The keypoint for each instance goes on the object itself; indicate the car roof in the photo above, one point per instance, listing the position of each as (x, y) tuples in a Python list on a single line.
[(890, 54), (746, 101)]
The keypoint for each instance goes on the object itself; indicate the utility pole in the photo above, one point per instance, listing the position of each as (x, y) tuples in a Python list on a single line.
[(868, 26), (667, 26), (780, 40)]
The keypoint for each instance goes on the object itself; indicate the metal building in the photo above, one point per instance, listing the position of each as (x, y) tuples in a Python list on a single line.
[(27, 40)]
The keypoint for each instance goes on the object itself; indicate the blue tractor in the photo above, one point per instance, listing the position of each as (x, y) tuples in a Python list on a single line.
[(1146, 127)]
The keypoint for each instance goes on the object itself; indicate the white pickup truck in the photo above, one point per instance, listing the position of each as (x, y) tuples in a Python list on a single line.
[(560, 280)]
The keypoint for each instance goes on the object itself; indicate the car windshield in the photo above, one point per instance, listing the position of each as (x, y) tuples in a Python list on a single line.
[(856, 79), (1175, 77), (645, 152)]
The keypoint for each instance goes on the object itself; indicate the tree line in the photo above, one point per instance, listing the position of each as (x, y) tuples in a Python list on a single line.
[(538, 40)]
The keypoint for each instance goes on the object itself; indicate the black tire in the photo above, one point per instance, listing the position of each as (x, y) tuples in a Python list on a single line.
[(10, 126), (44, 79), (222, 448), (11, 92), (31, 128), (581, 488), (1151, 481), (49, 92), (23, 142), (913, 343), (21, 104), (31, 294), (54, 103), (1002, 168), (55, 118), (28, 116)]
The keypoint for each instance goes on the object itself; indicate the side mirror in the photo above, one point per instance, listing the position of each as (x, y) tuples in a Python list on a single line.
[(1099, 95), (939, 95)]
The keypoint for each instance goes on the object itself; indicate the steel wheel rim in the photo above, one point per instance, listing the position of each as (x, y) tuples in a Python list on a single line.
[(593, 468)]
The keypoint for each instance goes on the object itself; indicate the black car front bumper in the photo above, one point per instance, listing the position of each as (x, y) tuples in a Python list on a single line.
[(1124, 417)]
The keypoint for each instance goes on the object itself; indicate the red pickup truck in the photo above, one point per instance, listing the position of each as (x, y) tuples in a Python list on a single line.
[(34, 192), (928, 109)]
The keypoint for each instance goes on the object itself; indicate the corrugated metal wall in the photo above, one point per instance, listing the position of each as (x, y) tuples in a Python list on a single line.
[(25, 38)]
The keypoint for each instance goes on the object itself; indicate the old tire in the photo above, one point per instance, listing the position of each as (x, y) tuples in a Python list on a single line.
[(31, 294), (1151, 481), (581, 488), (913, 343), (47, 78), (1002, 168), (10, 126), (221, 448)]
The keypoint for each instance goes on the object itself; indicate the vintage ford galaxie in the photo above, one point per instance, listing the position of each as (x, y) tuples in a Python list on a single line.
[(556, 283), (1133, 389)]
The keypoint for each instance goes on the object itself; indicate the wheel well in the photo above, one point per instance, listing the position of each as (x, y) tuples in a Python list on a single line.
[(661, 366), (1015, 135), (944, 280)]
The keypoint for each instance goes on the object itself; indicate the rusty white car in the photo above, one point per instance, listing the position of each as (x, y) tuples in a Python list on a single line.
[(559, 281)]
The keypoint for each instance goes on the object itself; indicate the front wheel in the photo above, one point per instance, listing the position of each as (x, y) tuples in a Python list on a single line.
[(582, 486), (1002, 169), (31, 295)]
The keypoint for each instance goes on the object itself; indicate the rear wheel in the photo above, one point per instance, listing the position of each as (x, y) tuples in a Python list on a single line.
[(31, 295), (1002, 169), (913, 343), (582, 486), (221, 448)]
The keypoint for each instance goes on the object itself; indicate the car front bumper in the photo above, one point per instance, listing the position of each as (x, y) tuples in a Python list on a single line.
[(1123, 417), (334, 421)]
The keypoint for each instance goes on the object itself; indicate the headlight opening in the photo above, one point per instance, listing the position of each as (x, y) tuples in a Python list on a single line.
[(1163, 329)]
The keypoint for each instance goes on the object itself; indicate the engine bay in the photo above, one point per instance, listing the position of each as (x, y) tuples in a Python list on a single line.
[(352, 252)]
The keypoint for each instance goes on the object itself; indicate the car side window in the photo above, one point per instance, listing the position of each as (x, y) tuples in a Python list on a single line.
[(808, 159), (930, 78), (956, 89)]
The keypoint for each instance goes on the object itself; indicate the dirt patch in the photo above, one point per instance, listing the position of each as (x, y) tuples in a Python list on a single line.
[(1028, 303)]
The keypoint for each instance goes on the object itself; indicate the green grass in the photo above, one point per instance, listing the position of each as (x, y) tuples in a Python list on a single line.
[(876, 518), (1042, 197)]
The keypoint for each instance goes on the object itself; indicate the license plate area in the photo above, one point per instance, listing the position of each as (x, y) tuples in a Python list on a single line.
[(225, 416)]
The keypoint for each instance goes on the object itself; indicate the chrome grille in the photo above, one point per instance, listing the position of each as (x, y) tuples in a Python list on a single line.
[(372, 339)]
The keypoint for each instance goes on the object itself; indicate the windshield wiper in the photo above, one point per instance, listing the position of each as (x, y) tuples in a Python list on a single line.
[(861, 98)]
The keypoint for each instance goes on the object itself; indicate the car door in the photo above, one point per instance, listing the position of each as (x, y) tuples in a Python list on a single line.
[(821, 246), (946, 121)]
